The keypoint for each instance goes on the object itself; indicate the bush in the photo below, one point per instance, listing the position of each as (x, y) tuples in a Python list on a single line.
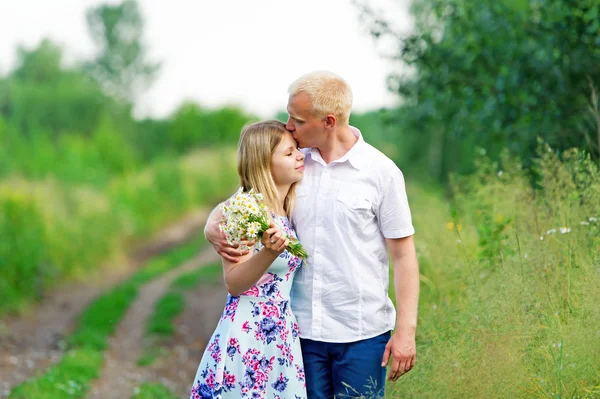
[(56, 231), (22, 249)]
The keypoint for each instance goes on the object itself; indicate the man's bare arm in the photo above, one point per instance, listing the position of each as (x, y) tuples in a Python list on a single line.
[(216, 237), (402, 345)]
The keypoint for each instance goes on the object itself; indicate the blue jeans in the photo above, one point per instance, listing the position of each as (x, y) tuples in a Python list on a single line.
[(346, 370)]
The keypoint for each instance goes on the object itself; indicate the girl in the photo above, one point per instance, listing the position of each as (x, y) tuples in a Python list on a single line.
[(255, 349)]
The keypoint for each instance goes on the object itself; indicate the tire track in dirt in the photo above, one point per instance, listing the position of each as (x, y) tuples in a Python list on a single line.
[(121, 374), (177, 367), (30, 343)]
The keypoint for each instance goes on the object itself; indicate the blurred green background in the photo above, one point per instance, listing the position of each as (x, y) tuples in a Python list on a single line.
[(497, 132)]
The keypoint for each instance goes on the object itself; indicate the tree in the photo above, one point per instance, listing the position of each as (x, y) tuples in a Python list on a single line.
[(193, 126), (43, 96), (496, 75), (121, 65)]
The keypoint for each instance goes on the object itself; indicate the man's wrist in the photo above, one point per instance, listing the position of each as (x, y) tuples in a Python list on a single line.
[(406, 329)]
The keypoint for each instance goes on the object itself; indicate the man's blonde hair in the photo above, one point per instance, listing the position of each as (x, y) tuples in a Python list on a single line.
[(258, 141), (328, 93)]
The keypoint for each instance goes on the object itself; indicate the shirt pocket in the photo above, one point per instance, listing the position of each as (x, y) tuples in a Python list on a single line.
[(355, 211)]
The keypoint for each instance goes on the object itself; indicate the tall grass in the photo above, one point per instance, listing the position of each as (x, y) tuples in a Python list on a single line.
[(52, 231), (510, 283)]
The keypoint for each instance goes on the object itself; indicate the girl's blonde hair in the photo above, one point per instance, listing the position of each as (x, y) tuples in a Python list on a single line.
[(257, 144)]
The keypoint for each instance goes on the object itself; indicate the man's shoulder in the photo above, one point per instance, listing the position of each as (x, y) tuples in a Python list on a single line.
[(377, 160)]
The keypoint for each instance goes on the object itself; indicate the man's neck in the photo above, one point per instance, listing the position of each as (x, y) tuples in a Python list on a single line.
[(340, 142)]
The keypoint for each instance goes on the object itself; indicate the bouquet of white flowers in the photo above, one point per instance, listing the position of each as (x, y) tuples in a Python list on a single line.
[(245, 217)]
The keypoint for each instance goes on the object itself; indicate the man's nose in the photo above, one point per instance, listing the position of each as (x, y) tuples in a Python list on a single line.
[(289, 125)]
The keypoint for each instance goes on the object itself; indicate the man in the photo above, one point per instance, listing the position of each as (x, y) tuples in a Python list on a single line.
[(351, 209)]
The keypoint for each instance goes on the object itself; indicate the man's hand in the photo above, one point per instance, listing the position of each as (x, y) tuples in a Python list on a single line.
[(216, 237), (402, 349)]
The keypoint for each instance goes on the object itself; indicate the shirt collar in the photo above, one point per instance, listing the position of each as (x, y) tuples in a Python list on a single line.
[(353, 155)]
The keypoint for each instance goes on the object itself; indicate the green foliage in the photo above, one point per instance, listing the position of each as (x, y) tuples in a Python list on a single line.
[(191, 125), (48, 227), (113, 151), (186, 126), (379, 129), (78, 149), (73, 121), (22, 248), (4, 160), (496, 75), (509, 291), (42, 95)]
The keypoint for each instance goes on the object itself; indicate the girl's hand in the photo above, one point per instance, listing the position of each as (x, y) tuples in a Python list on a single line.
[(274, 240)]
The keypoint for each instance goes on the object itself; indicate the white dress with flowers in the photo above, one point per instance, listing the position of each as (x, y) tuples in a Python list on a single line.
[(255, 349)]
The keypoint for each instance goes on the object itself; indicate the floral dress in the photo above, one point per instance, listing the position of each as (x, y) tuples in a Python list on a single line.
[(255, 349)]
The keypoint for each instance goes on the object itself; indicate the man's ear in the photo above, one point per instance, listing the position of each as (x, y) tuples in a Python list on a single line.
[(330, 121)]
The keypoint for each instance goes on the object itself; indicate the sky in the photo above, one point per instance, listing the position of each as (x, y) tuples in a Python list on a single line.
[(224, 52)]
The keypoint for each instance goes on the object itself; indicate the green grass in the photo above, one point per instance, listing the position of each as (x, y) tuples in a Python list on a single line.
[(508, 305), (153, 391), (160, 325), (167, 308), (503, 313), (151, 353), (71, 377)]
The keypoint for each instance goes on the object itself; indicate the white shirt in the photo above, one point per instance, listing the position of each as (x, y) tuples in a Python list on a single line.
[(344, 210)]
